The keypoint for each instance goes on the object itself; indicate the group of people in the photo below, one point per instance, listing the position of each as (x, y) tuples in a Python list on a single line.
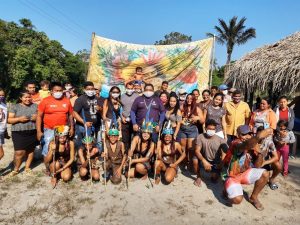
[(143, 131)]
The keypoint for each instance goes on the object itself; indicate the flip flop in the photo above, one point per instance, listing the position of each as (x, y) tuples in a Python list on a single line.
[(257, 205), (273, 186)]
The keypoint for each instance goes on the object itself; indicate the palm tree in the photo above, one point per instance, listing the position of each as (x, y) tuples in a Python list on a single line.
[(233, 33)]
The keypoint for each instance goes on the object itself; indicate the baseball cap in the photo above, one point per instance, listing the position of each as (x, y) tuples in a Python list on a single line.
[(244, 129), (223, 87), (181, 91)]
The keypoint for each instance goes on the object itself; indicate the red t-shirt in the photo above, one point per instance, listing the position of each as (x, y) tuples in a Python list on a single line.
[(284, 115), (56, 111), (36, 98)]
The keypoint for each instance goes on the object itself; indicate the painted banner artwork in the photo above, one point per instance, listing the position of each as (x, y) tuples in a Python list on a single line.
[(182, 65)]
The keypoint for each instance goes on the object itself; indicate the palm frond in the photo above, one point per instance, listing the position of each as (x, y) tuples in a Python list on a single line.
[(246, 35)]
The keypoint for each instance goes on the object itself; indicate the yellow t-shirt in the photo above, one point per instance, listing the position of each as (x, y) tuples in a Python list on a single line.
[(44, 94), (236, 116)]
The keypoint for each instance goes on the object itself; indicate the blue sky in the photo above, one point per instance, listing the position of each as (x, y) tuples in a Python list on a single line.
[(143, 22)]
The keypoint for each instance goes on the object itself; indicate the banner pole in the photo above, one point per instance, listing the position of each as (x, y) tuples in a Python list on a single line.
[(89, 67), (212, 62)]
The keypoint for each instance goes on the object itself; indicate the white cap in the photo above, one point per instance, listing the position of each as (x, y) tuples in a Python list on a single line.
[(181, 91)]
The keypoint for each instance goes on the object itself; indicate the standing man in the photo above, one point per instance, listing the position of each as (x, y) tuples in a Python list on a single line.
[(163, 88), (224, 90), (87, 114), (127, 100), (53, 111), (237, 113), (30, 86), (213, 90), (148, 105)]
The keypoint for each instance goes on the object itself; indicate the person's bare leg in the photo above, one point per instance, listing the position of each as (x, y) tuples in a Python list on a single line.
[(170, 175), (18, 159), (258, 186), (141, 169), (95, 175), (160, 166), (29, 160), (198, 180), (183, 143), (83, 172), (237, 200), (1, 152), (277, 168), (66, 175), (190, 150)]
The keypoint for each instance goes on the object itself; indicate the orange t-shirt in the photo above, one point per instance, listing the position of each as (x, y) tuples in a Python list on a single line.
[(36, 98), (55, 111)]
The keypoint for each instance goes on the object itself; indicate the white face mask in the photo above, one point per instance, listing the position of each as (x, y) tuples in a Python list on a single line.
[(115, 95), (57, 95), (68, 87), (210, 133), (225, 92), (90, 93), (148, 94), (129, 91), (182, 97)]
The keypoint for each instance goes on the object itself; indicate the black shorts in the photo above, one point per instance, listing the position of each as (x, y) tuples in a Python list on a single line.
[(24, 140)]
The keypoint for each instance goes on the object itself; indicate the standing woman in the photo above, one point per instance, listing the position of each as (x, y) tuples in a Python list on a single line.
[(206, 99), (174, 114), (112, 108), (166, 161), (216, 112), (164, 97), (22, 116), (191, 114), (263, 116)]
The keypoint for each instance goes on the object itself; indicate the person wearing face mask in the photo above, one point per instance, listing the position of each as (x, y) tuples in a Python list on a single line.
[(68, 87), (87, 114), (237, 113), (3, 121), (112, 109), (127, 100), (150, 105), (224, 90), (55, 110), (210, 151)]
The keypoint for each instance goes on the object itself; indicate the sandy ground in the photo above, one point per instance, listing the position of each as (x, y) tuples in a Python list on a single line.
[(31, 200)]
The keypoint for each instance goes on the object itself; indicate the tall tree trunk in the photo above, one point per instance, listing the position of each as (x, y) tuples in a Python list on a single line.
[(227, 66)]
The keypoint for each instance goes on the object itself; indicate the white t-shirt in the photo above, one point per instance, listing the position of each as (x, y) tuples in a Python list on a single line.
[(3, 117)]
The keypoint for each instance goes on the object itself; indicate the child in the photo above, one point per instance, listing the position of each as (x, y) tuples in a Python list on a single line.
[(44, 92), (3, 121), (138, 77), (282, 140), (114, 155), (271, 162), (83, 160), (61, 155)]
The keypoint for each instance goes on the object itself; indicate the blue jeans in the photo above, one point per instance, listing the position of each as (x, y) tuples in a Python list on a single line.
[(80, 134), (47, 138)]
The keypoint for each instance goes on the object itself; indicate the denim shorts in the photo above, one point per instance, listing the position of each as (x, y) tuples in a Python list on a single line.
[(1, 138), (48, 137), (188, 131)]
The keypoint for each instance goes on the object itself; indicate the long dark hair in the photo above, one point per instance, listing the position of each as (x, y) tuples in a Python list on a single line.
[(22, 93), (110, 97), (177, 106), (222, 97), (193, 106), (148, 141)]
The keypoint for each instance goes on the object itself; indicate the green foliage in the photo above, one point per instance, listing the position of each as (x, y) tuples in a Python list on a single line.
[(27, 54), (218, 76), (233, 33), (174, 38)]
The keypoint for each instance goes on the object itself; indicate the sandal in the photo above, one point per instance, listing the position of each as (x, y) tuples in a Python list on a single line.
[(273, 186)]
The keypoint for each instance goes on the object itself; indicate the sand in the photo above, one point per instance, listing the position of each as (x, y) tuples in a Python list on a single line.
[(31, 200)]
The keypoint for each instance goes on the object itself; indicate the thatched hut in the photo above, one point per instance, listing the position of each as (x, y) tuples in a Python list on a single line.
[(272, 68)]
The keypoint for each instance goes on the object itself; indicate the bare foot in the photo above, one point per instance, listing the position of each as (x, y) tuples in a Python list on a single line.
[(157, 180), (198, 182), (53, 182), (256, 203), (144, 177)]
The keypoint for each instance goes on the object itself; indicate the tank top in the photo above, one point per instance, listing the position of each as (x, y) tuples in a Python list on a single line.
[(111, 110), (139, 152), (168, 158), (65, 155)]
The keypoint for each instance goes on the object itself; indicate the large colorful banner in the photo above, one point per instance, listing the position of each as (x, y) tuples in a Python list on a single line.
[(182, 65)]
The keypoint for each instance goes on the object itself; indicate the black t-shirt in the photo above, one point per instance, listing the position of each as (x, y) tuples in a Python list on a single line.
[(88, 105)]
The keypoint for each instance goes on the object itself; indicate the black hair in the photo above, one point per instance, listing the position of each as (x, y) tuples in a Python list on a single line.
[(149, 85), (21, 94), (236, 92), (29, 82), (214, 87), (222, 96), (44, 82), (177, 106), (165, 82), (196, 90), (88, 83), (210, 122), (54, 84), (206, 90), (164, 92), (138, 68), (268, 100), (282, 123), (259, 129), (282, 97), (129, 83)]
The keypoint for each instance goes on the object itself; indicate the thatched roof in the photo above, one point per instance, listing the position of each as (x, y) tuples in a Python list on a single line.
[(276, 66)]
